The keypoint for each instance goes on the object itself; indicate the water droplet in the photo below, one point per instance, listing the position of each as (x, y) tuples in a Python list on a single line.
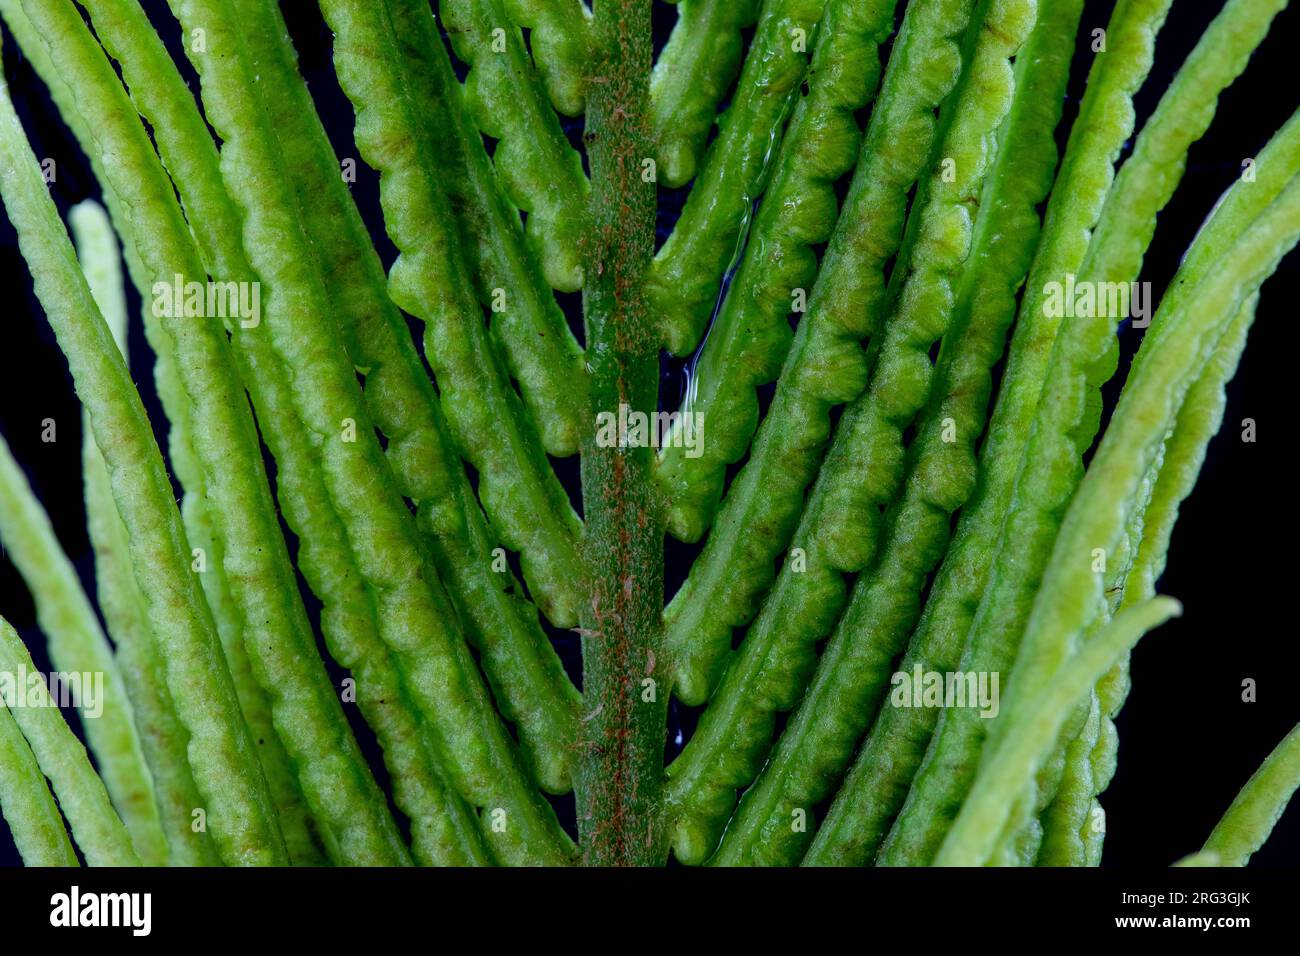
[(749, 210)]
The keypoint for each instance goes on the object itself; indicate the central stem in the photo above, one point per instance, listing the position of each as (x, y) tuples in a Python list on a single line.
[(621, 769)]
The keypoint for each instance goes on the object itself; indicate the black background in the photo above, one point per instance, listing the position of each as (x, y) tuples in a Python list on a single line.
[(1188, 741)]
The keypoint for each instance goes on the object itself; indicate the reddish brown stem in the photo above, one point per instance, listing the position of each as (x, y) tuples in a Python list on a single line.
[(620, 775)]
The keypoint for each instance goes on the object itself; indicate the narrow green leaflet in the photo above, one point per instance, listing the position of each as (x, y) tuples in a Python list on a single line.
[(692, 73), (942, 472), (25, 800), (440, 825), (521, 496), (826, 364), (239, 811), (533, 689), (1003, 772), (526, 322), (960, 587), (78, 646), (849, 520), (1074, 824), (76, 642), (204, 548), (537, 168), (749, 338), (163, 738), (1072, 593), (560, 39), (414, 614), (1259, 805), (95, 824), (1144, 184), (350, 811), (683, 282)]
